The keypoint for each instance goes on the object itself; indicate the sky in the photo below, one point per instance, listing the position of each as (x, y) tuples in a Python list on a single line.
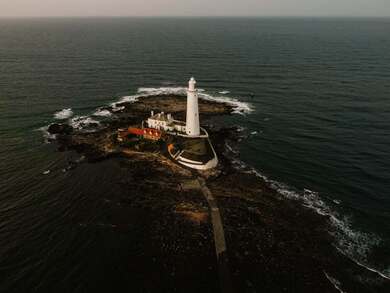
[(37, 8)]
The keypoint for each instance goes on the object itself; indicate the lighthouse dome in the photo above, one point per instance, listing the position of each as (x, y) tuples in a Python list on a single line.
[(191, 84)]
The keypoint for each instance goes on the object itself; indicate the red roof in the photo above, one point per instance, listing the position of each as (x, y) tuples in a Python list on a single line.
[(145, 131)]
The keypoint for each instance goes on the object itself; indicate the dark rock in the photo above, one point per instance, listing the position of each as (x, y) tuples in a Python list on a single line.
[(58, 128), (93, 125), (273, 244)]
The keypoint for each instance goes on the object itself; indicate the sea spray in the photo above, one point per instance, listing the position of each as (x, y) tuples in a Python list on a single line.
[(63, 114)]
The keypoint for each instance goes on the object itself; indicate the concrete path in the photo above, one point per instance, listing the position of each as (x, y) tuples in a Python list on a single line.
[(219, 239)]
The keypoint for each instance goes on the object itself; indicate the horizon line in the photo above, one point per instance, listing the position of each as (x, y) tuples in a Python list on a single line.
[(193, 16)]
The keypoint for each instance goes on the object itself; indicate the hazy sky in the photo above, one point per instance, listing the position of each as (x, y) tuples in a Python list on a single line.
[(194, 7)]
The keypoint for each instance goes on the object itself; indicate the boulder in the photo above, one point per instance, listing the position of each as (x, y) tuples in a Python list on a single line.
[(58, 128)]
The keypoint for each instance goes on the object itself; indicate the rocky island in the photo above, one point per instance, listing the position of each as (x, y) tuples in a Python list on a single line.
[(271, 244)]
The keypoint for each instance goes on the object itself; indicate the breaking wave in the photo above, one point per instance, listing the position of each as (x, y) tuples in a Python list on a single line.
[(126, 99), (83, 122), (238, 106), (46, 134), (87, 122), (63, 114), (353, 244), (102, 113), (336, 283)]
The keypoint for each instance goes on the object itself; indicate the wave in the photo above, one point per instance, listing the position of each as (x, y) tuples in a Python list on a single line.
[(83, 122), (46, 134), (239, 107), (163, 91), (126, 99), (87, 122), (353, 244), (129, 99), (102, 113), (224, 92), (63, 114), (384, 274), (336, 283)]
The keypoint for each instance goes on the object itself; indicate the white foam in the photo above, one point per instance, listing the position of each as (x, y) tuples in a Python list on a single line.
[(239, 106), (224, 92), (163, 91), (125, 99), (354, 244), (129, 99), (116, 108), (240, 129), (46, 134), (63, 114), (82, 122), (102, 113), (336, 283), (385, 274), (231, 149)]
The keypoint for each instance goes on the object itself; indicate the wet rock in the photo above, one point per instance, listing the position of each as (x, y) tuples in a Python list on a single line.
[(274, 245), (59, 128)]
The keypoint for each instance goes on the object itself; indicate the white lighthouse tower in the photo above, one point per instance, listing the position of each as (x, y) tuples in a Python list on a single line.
[(192, 118)]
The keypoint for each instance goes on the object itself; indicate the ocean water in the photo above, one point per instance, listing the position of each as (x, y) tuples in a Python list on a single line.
[(313, 96)]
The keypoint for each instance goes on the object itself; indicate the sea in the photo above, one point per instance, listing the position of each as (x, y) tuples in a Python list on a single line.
[(312, 96)]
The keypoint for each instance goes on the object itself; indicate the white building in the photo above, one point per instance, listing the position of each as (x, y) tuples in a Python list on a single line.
[(165, 122), (191, 147), (191, 127)]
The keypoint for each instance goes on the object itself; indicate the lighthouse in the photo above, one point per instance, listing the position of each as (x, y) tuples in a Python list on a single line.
[(192, 118), (187, 143)]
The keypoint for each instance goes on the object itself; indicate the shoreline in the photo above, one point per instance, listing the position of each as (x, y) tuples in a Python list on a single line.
[(265, 233)]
